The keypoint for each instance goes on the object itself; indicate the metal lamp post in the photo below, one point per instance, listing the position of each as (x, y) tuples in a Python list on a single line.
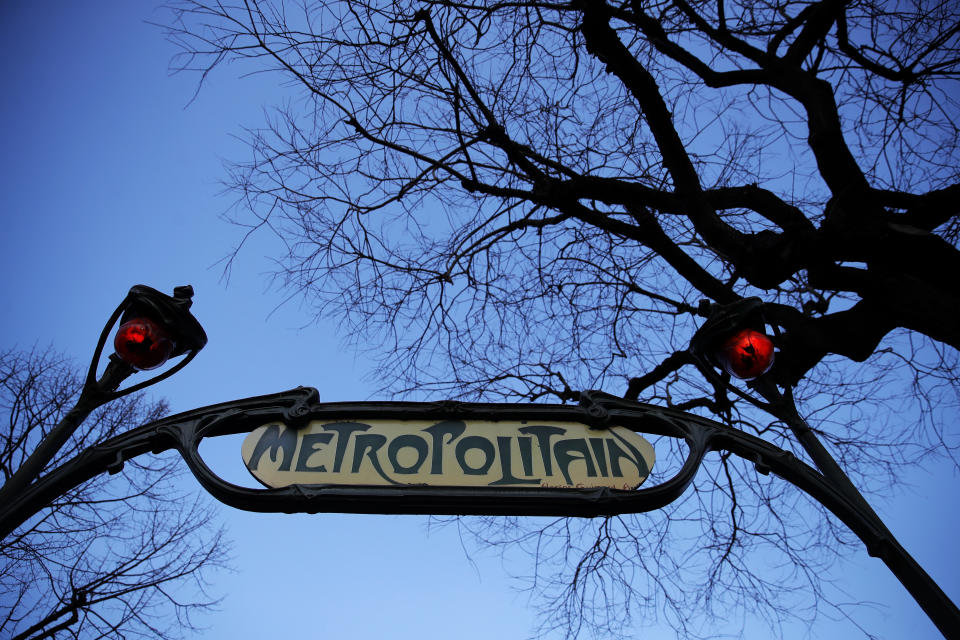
[(154, 327), (732, 339)]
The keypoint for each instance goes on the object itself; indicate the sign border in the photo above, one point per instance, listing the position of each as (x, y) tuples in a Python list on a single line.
[(185, 431)]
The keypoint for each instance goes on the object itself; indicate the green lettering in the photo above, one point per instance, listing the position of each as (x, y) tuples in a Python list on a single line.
[(411, 441), (503, 445), (369, 444), (343, 430), (597, 445), (310, 444), (275, 438), (475, 442), (564, 451), (452, 428), (616, 453), (542, 433)]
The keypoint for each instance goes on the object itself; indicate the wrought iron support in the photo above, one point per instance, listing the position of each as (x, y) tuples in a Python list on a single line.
[(878, 539), (185, 431)]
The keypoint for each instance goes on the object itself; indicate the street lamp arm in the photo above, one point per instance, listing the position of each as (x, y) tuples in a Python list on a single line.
[(174, 313)]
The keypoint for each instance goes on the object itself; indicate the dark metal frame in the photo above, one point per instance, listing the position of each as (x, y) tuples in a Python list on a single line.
[(185, 431)]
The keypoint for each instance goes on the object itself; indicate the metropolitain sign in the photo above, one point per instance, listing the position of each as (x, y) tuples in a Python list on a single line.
[(448, 453), (444, 458)]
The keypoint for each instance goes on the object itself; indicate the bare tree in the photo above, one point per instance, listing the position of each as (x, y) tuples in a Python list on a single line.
[(120, 556), (526, 199)]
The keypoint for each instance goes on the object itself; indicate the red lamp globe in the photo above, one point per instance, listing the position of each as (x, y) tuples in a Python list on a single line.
[(143, 343), (746, 354)]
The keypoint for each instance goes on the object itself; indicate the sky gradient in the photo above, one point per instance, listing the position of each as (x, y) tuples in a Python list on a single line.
[(110, 178)]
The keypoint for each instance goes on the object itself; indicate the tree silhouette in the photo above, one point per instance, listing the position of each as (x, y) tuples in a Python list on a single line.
[(121, 556), (527, 199)]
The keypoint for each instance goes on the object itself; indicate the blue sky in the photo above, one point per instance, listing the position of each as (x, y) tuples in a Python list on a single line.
[(110, 179)]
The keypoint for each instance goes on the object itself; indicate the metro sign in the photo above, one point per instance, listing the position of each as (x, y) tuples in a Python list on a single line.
[(443, 458), (448, 453)]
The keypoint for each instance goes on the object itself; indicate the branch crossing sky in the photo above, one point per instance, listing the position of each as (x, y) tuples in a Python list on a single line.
[(110, 178)]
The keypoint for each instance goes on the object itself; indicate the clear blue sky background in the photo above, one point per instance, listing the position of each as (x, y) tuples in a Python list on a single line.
[(109, 179)]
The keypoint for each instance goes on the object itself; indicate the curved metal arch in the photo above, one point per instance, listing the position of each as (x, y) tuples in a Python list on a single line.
[(185, 431)]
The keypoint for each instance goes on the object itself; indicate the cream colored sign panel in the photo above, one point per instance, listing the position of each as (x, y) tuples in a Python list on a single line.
[(448, 453)]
